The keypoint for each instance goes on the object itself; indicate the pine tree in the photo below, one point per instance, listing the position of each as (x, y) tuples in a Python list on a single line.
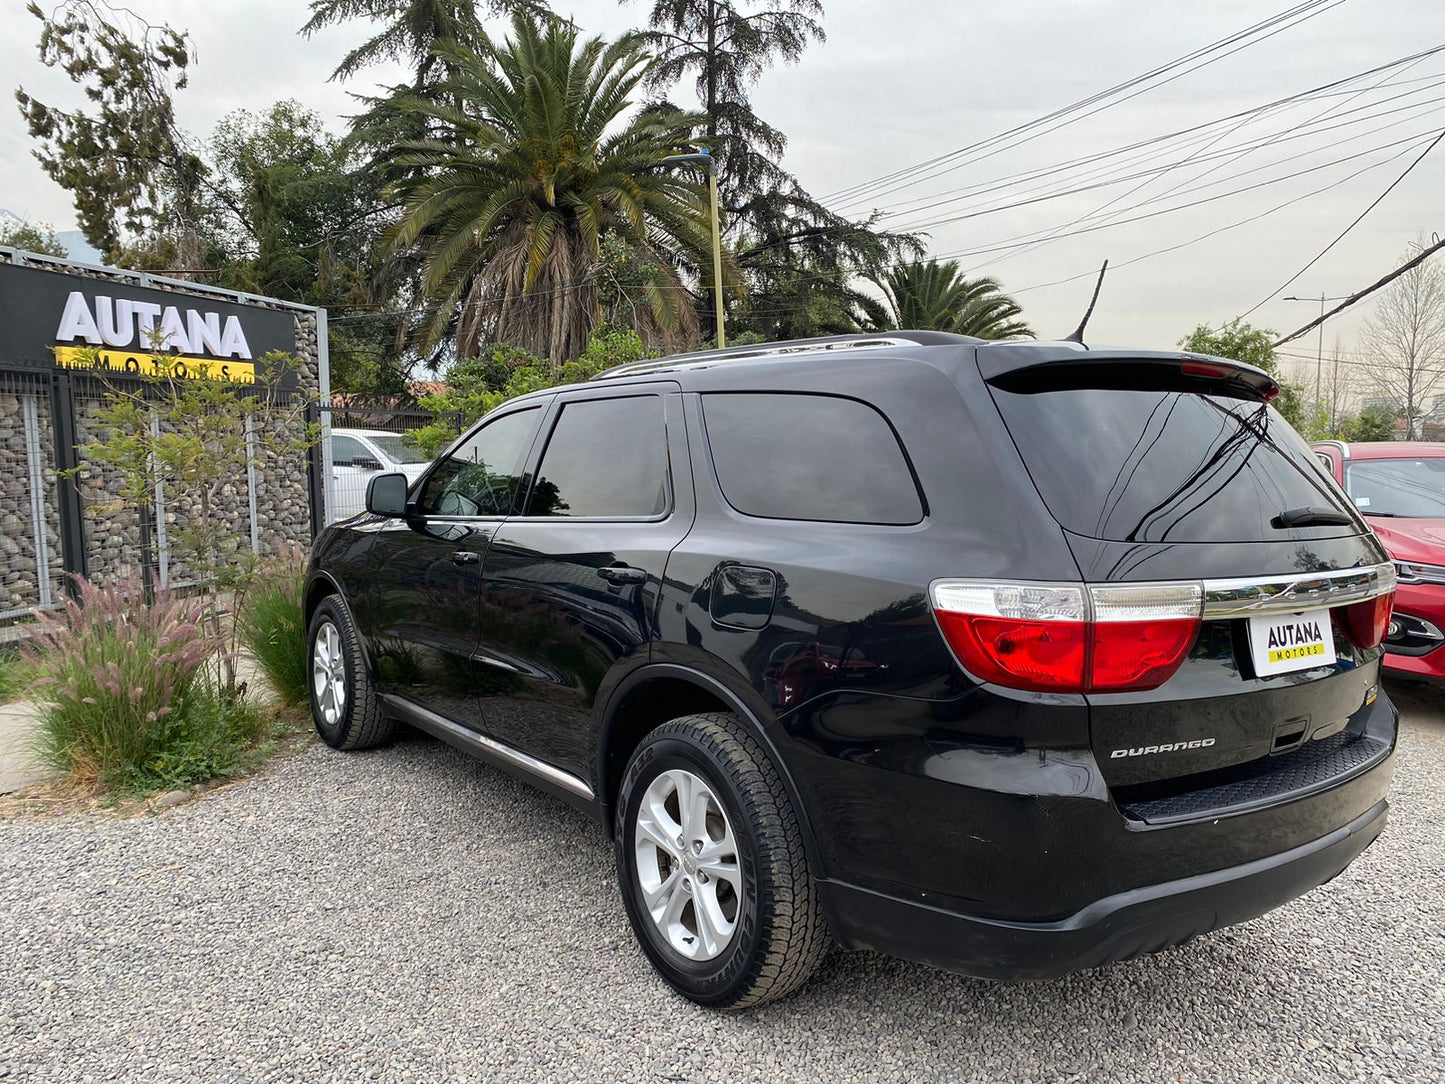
[(793, 250)]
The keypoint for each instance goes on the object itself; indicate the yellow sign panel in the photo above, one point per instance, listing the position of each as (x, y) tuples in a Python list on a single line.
[(131, 363), (1299, 651)]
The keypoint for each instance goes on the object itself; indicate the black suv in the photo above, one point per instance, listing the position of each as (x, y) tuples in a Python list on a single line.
[(1011, 658)]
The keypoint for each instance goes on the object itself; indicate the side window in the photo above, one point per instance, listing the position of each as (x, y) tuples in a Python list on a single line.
[(481, 475), (812, 457), (345, 450), (606, 457)]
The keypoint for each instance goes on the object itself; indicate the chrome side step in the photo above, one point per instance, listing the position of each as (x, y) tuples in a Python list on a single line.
[(439, 726)]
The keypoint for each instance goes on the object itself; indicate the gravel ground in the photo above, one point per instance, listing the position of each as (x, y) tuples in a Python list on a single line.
[(410, 915)]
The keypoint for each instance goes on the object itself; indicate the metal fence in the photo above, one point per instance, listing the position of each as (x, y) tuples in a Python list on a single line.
[(366, 440)]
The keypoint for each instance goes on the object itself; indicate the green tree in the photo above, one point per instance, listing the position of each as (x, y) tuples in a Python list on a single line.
[(933, 296), (289, 209), (539, 164), (32, 238), (792, 299), (1372, 423), (125, 162), (478, 385), (196, 436), (298, 215), (792, 249), (411, 30), (1244, 342)]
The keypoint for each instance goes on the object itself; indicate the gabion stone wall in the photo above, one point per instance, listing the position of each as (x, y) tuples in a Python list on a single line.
[(112, 527), (19, 582)]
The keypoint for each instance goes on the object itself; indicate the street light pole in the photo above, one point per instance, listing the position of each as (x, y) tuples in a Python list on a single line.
[(1320, 347), (706, 160)]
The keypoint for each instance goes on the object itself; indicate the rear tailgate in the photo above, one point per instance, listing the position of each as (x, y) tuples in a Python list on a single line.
[(1169, 468)]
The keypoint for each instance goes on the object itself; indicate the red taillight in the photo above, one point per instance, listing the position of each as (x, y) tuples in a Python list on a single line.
[(1069, 637), (1364, 623), (1140, 654), (1214, 369), (1020, 654), (1220, 370)]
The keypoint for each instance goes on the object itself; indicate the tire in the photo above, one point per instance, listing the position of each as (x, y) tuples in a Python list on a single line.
[(359, 720), (777, 935)]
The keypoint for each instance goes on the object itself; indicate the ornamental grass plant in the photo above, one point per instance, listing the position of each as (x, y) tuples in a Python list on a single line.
[(10, 679), (271, 627), (130, 690)]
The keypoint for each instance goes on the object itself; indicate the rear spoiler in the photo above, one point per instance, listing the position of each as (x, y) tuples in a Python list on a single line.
[(1037, 367)]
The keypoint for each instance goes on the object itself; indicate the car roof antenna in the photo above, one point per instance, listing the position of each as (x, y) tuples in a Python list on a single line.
[(1078, 334)]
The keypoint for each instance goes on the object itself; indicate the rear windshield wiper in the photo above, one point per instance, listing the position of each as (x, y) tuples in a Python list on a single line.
[(1312, 516)]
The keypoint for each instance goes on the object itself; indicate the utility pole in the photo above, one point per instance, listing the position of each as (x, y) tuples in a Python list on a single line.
[(706, 160), (1320, 348)]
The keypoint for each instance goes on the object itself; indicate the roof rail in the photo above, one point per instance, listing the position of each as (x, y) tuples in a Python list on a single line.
[(830, 344)]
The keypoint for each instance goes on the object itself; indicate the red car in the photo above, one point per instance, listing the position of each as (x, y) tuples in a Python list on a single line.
[(1400, 487)]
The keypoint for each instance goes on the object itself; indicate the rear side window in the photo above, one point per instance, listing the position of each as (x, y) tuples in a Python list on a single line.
[(1164, 466), (811, 457), (607, 458)]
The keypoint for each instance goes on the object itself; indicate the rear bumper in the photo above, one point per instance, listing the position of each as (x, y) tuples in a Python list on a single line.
[(1118, 927)]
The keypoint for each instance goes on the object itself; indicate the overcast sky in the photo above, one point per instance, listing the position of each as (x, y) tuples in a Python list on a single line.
[(900, 82)]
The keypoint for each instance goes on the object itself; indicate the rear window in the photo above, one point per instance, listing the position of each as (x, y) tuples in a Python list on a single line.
[(1164, 466), (812, 457)]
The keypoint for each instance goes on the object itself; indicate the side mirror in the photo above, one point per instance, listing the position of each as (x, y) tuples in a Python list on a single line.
[(367, 463), (386, 495)]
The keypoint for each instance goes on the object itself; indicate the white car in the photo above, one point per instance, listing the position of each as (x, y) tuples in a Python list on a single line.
[(359, 454)]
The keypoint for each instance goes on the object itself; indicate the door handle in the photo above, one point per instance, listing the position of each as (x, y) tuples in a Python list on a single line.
[(465, 557), (617, 575)]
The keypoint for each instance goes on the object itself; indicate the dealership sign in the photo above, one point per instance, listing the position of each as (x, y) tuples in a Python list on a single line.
[(52, 319)]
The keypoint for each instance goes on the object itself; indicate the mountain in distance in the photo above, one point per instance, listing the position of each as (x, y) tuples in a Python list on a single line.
[(74, 242)]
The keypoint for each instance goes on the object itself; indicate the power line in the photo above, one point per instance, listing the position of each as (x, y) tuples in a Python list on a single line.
[(1358, 218), (1027, 177), (1214, 232), (1408, 265), (1231, 159), (1407, 140), (1057, 194), (910, 175)]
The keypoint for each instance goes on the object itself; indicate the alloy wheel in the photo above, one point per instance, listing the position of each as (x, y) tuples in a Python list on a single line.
[(328, 673), (687, 865)]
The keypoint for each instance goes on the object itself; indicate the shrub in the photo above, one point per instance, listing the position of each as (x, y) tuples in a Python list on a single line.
[(129, 698), (271, 628), (477, 386)]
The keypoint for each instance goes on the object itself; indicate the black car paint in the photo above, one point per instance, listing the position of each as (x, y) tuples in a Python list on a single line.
[(915, 785)]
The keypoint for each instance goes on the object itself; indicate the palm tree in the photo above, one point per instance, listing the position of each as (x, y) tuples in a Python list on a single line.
[(528, 171), (933, 296), (411, 30)]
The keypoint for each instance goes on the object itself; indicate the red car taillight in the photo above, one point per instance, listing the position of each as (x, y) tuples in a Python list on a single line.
[(1069, 637), (1364, 623)]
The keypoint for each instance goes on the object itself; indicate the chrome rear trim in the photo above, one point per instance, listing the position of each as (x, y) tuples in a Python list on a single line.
[(441, 727), (1251, 595)]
